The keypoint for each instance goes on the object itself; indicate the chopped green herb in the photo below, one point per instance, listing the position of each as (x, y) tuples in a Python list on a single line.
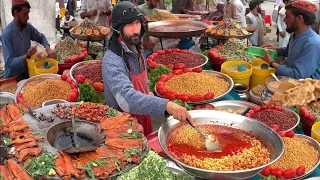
[(1, 120), (153, 167), (6, 140), (22, 111), (93, 163), (131, 152), (41, 165), (111, 112), (89, 94), (183, 104), (2, 176), (154, 74), (134, 135), (269, 178), (116, 161)]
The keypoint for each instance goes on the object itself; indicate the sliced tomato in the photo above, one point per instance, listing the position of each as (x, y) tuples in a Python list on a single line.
[(270, 106), (282, 133), (289, 134), (183, 97), (289, 173), (185, 70), (278, 108), (198, 70), (69, 80), (300, 170), (170, 75), (208, 106), (264, 107), (161, 90), (163, 78), (209, 95), (177, 71), (176, 50), (257, 109), (179, 66), (64, 77), (266, 171), (160, 84), (170, 66), (160, 52), (98, 86), (275, 127), (197, 98), (277, 172), (170, 95)]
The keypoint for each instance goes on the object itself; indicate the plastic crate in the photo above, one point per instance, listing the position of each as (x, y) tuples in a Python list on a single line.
[(258, 51)]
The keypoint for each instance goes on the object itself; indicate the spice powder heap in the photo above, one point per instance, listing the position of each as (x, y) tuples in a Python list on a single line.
[(39, 92), (297, 152), (197, 83)]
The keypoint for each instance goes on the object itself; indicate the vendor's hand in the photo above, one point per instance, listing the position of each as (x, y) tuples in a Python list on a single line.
[(94, 12), (267, 58), (282, 34), (50, 52), (178, 112), (32, 51), (269, 46), (150, 93)]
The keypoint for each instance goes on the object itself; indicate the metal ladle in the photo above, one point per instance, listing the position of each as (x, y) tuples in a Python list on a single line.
[(211, 143), (275, 77)]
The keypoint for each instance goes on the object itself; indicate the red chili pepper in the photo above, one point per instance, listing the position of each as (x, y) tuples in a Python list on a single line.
[(276, 172), (151, 63), (251, 111), (183, 97), (289, 173), (209, 95), (275, 127), (311, 117), (248, 115), (198, 70), (300, 170), (160, 84), (282, 133), (197, 98), (266, 171), (289, 134)]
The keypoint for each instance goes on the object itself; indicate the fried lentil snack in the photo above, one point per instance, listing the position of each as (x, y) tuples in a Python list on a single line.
[(297, 152), (197, 83), (39, 92)]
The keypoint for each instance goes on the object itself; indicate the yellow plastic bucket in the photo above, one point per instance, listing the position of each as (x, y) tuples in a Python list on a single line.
[(237, 77), (314, 131), (31, 63), (53, 70), (259, 76)]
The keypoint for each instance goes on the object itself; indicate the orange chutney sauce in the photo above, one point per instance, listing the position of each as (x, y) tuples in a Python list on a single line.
[(231, 141)]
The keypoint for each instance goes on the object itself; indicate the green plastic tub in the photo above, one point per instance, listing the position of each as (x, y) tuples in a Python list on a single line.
[(258, 51)]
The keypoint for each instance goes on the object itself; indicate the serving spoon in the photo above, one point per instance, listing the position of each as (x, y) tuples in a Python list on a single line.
[(275, 77), (211, 143)]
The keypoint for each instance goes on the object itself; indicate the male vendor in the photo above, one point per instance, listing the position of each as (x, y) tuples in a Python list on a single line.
[(16, 41), (124, 71), (303, 50)]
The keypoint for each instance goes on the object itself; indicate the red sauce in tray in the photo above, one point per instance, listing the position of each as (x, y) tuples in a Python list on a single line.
[(231, 141)]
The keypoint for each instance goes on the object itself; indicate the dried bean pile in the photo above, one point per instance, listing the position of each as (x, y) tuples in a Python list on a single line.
[(284, 119), (191, 60), (91, 71)]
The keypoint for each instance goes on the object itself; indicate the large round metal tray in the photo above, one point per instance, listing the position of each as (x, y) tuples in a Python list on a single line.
[(270, 138), (224, 37), (218, 74), (233, 105), (195, 28), (189, 17), (7, 98), (75, 66), (88, 38), (34, 78), (203, 56), (266, 94), (313, 143), (43, 127)]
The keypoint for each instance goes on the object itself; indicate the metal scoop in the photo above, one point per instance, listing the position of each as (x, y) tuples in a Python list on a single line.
[(275, 77), (211, 143), (76, 149)]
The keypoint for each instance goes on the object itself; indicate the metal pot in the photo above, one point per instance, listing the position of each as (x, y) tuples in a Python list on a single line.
[(270, 138), (242, 91)]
